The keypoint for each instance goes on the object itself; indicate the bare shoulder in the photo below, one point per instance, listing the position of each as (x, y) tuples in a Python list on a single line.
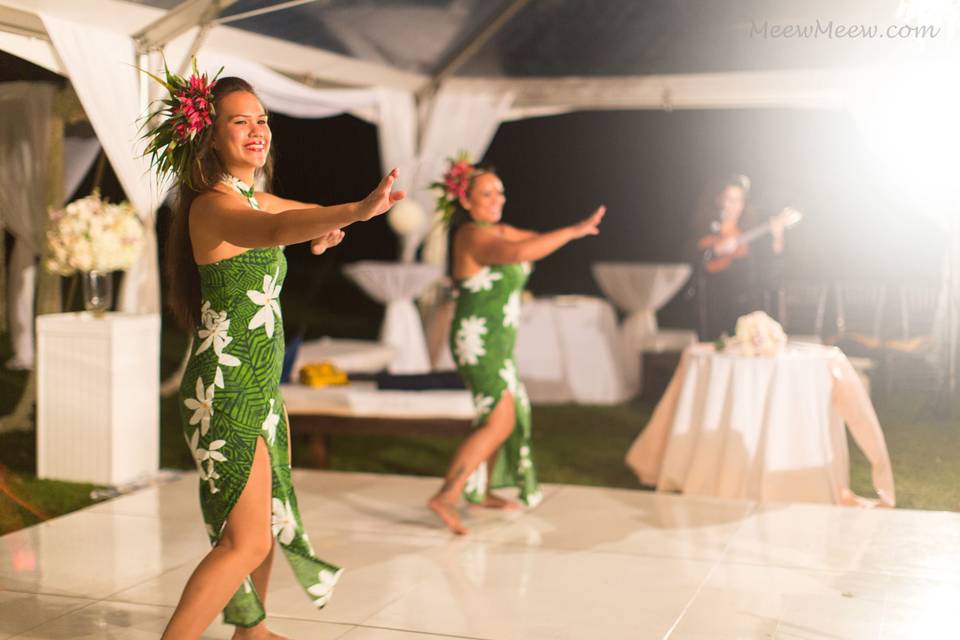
[(468, 235), (480, 232), (269, 202), (209, 201), (513, 233)]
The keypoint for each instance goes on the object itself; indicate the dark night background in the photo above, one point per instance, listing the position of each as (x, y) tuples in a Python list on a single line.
[(648, 167)]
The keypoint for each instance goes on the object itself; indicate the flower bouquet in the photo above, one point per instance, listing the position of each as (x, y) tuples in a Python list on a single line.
[(95, 237), (453, 185), (757, 335)]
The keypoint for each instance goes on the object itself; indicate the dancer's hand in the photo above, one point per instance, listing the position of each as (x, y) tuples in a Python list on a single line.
[(380, 199), (327, 240), (588, 226)]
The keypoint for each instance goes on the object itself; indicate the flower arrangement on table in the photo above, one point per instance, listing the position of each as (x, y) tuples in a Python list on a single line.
[(93, 236), (757, 335)]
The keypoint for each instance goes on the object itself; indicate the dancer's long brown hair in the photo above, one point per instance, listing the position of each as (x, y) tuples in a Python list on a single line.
[(183, 277), (461, 215)]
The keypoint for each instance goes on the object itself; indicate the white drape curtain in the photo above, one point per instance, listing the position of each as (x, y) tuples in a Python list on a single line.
[(458, 121), (78, 155), (285, 95), (397, 136), (101, 67), (25, 111)]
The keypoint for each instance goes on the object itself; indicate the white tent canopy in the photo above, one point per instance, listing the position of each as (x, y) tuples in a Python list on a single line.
[(439, 75)]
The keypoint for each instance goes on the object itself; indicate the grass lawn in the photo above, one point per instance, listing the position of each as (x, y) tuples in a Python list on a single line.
[(574, 444)]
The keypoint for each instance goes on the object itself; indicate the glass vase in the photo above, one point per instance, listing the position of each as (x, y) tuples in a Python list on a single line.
[(97, 291)]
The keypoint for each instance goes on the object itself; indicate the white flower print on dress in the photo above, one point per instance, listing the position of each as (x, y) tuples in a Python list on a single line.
[(208, 455), (526, 267), (469, 339), (322, 591), (477, 482), (307, 543), (525, 462), (482, 404), (216, 327), (482, 280), (202, 406), (212, 473), (534, 499), (283, 521), (268, 299), (522, 396), (211, 532), (511, 311), (207, 314), (509, 375), (270, 423)]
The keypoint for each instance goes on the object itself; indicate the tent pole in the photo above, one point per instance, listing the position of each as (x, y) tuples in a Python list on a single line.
[(178, 21), (483, 35), (264, 10)]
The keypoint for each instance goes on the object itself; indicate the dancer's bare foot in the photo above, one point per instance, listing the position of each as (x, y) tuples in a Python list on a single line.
[(493, 501), (448, 513), (258, 632)]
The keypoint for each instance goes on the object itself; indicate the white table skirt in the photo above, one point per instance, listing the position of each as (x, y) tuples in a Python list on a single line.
[(568, 350), (396, 285), (641, 289), (768, 429)]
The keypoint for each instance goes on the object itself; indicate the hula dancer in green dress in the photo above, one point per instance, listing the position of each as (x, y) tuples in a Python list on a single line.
[(490, 264), (226, 267)]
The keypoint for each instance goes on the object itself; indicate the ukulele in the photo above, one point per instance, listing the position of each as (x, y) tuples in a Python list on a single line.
[(715, 263)]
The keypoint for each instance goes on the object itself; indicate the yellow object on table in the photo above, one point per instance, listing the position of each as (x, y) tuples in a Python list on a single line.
[(322, 374)]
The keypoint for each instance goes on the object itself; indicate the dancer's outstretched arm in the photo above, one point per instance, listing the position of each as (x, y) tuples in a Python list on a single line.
[(514, 234), (218, 215), (489, 247), (276, 204)]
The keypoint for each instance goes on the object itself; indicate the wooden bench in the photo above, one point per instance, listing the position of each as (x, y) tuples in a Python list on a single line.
[(321, 413), (319, 428)]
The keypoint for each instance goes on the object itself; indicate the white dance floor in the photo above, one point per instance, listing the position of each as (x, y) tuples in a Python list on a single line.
[(586, 564)]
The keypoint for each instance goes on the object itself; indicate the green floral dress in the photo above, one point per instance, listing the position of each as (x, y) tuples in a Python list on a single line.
[(230, 396), (482, 340)]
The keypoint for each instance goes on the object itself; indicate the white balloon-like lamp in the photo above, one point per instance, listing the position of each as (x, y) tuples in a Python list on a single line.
[(407, 219)]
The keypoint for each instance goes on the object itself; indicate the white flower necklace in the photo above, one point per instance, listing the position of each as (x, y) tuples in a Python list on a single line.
[(242, 188)]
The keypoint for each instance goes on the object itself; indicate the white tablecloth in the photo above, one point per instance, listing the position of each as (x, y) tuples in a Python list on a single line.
[(768, 429), (364, 400), (568, 351), (641, 289), (396, 285)]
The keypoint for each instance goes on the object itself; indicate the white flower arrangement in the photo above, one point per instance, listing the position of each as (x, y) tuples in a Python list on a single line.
[(757, 335), (91, 234)]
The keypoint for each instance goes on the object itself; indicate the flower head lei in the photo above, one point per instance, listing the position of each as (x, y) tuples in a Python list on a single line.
[(454, 184), (186, 116)]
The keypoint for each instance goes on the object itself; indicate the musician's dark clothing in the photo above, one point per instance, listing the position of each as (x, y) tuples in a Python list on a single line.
[(738, 290)]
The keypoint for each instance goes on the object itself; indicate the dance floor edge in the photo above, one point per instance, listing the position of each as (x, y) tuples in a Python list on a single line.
[(587, 563)]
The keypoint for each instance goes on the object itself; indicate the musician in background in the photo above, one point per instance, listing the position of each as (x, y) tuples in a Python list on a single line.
[(731, 284)]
